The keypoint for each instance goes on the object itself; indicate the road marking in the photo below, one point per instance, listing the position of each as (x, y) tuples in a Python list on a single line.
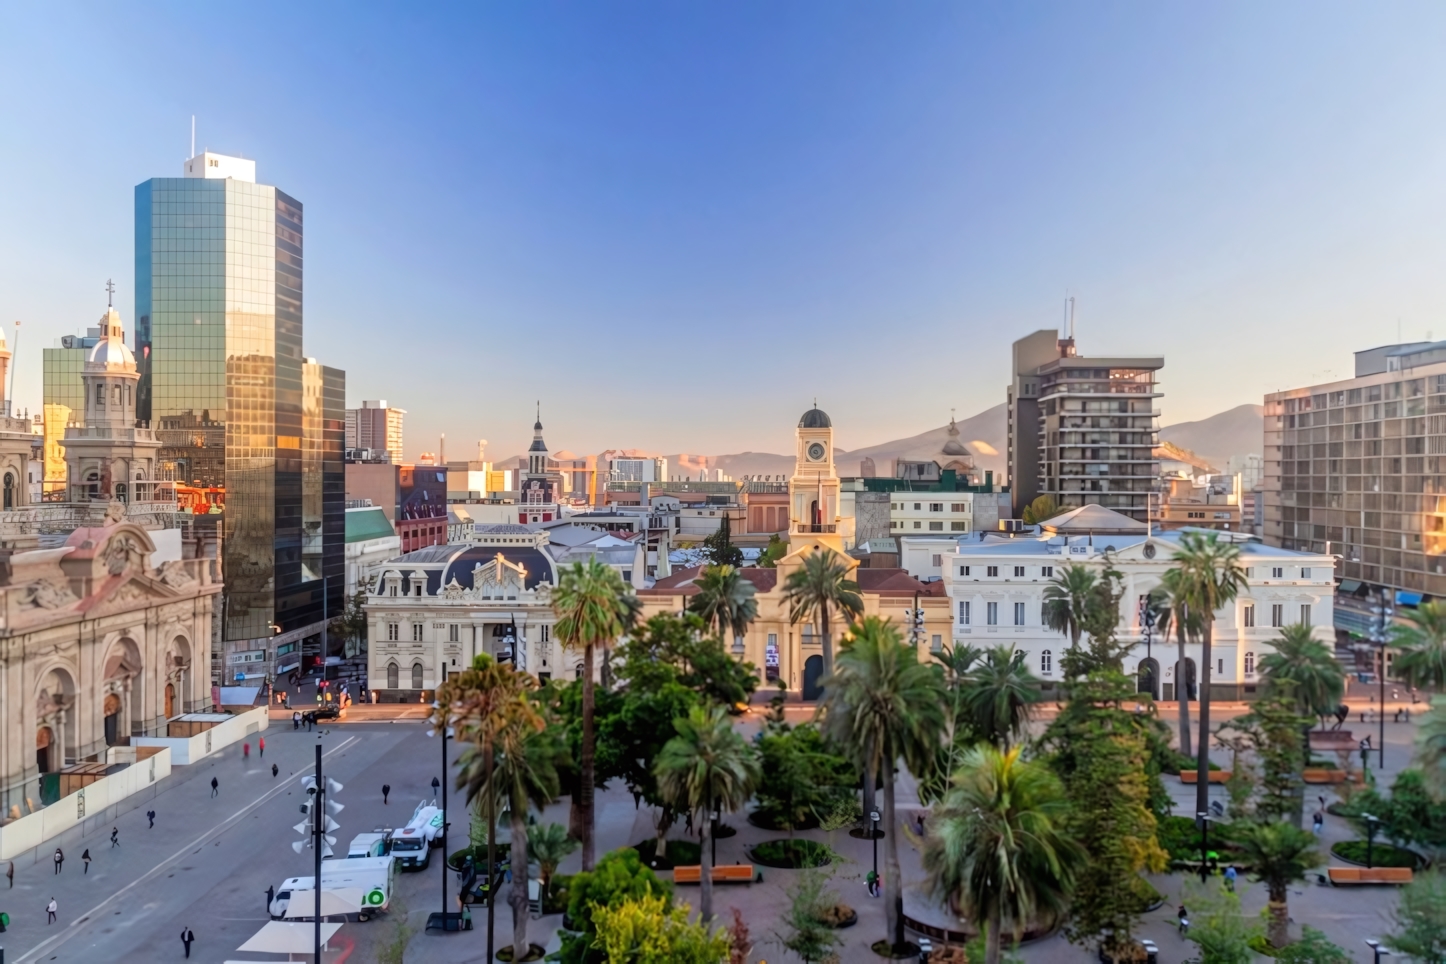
[(72, 929)]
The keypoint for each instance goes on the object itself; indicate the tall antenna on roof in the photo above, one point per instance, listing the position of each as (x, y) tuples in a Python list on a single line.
[(193, 136)]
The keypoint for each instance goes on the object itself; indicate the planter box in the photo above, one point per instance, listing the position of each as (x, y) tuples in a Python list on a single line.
[(1214, 776)]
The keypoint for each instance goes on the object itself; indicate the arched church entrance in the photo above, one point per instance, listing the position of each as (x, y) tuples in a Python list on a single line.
[(44, 738), (812, 675), (1148, 678), (1185, 679), (112, 712)]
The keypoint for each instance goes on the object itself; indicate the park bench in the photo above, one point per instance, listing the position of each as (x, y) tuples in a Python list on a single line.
[(1329, 776), (1370, 875), (722, 874), (1214, 776)]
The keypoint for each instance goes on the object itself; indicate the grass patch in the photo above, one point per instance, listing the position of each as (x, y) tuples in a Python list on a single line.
[(791, 854), (1382, 854), (768, 820), (679, 853)]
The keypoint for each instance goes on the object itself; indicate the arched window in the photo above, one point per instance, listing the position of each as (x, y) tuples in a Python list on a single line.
[(1249, 664), (9, 490), (1046, 663), (416, 676), (100, 396), (120, 491), (394, 675)]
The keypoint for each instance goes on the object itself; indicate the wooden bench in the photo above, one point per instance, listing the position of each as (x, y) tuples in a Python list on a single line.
[(1370, 875), (1213, 776), (1329, 776), (722, 874)]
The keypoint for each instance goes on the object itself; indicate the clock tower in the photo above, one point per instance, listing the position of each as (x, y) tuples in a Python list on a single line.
[(814, 487)]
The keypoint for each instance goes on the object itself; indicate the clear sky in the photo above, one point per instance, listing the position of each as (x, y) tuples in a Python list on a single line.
[(676, 223)]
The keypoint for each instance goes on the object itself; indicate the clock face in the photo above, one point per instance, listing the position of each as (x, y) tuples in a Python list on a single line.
[(815, 451)]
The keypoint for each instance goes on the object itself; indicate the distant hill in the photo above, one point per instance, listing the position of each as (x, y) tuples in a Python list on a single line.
[(983, 434), (1232, 433)]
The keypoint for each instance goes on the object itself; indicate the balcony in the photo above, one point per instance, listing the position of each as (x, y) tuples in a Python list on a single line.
[(51, 518), (810, 528)]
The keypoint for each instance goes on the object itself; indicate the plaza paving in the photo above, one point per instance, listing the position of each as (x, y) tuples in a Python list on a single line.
[(207, 864)]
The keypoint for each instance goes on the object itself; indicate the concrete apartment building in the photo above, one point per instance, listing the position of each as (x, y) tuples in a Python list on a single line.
[(376, 426), (1354, 468), (1081, 430)]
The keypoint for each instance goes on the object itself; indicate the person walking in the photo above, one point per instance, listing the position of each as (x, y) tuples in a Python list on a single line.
[(186, 938), (85, 861), (115, 836), (151, 816), (273, 771), (386, 789), (1184, 918), (246, 751), (1230, 878), (10, 874), (50, 910), (59, 859), (261, 747), (1317, 823), (215, 786), (270, 897)]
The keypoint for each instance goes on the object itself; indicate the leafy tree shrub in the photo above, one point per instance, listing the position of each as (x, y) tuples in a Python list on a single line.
[(1421, 920), (647, 930), (804, 777), (791, 854), (1312, 948), (618, 877)]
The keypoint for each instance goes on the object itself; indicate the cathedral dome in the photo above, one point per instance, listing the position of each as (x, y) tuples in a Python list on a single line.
[(109, 353), (815, 418)]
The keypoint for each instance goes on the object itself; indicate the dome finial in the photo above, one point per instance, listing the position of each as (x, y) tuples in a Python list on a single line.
[(109, 293)]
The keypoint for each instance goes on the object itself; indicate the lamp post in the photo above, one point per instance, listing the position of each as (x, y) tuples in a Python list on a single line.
[(1376, 949), (1373, 823), (716, 817), (1379, 637), (1202, 820), (874, 836)]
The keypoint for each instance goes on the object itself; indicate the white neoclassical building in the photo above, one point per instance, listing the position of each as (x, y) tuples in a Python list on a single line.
[(996, 584)]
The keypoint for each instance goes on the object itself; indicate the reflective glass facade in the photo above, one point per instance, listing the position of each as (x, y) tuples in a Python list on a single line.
[(64, 402), (219, 347)]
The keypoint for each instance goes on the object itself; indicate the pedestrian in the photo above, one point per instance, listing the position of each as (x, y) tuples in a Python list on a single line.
[(1184, 918), (1230, 878), (296, 719), (85, 861), (50, 910), (215, 786), (186, 938), (1317, 823), (115, 836), (151, 816), (1321, 798), (270, 897), (59, 859), (10, 874), (273, 771), (386, 789), (246, 750), (261, 747), (872, 881)]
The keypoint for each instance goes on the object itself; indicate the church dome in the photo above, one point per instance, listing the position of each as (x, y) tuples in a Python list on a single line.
[(953, 446), (815, 418), (110, 352)]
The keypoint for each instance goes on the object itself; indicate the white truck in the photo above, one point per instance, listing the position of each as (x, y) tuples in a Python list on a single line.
[(412, 845), (370, 879), (373, 844)]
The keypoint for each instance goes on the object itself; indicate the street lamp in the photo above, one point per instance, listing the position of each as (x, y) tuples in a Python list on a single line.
[(1373, 823), (874, 835), (1379, 637), (1202, 821), (1376, 949), (716, 817)]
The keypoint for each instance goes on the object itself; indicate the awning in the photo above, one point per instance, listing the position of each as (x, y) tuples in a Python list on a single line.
[(281, 937), (1349, 586), (342, 900), (1404, 598)]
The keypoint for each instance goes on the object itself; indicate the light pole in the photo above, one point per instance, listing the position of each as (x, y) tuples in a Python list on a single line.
[(716, 817), (1378, 636), (1376, 949), (1373, 823), (1202, 820), (874, 836)]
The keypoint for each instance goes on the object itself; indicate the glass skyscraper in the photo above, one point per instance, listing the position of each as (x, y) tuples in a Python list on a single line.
[(251, 428)]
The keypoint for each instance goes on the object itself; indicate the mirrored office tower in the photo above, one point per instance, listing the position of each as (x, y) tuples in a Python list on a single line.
[(252, 429)]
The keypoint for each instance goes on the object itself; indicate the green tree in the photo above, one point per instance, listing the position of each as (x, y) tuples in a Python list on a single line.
[(776, 549), (1217, 927), (1312, 948), (1412, 815), (1101, 622), (1421, 661), (719, 547), (673, 648), (804, 776), (707, 766), (804, 931), (645, 930), (997, 694), (1420, 919), (1431, 746), (618, 877), (352, 624), (1067, 600), (725, 600), (1278, 855), (1172, 611), (1041, 508), (1272, 736), (594, 607), (1211, 576), (997, 846), (882, 704), (1304, 670), (815, 590), (549, 845)]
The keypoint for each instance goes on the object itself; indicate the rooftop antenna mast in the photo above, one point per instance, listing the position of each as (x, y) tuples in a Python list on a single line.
[(193, 136)]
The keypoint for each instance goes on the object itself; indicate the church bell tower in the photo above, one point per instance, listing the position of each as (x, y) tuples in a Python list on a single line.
[(813, 489)]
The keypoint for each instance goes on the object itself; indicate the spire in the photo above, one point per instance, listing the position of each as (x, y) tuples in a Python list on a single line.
[(109, 293)]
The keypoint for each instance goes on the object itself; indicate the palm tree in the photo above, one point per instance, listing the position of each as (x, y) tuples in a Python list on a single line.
[(725, 600), (997, 694), (1210, 577), (522, 773), (549, 845), (1431, 746), (1172, 609), (1278, 854), (1303, 669), (593, 605), (708, 766), (995, 845), (1067, 600), (818, 587), (1421, 661), (882, 704)]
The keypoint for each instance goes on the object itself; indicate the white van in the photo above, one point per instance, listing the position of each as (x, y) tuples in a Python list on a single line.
[(373, 877), (368, 845), (412, 845)]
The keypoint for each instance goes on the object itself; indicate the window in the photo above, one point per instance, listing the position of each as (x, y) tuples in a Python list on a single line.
[(992, 614), (1305, 614), (1277, 572), (963, 614), (1277, 615), (1046, 663), (958, 527), (1249, 572), (1018, 572), (918, 525), (938, 560), (1305, 572), (546, 632), (420, 586), (936, 507), (936, 642), (992, 571), (963, 570), (394, 676), (1249, 664), (936, 527), (393, 632), (417, 634), (1249, 615), (416, 676), (1046, 572), (100, 395), (916, 506), (452, 633), (628, 576), (1019, 614), (958, 507), (1220, 668)]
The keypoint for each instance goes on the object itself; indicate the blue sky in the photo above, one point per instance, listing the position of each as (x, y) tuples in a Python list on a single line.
[(677, 223)]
